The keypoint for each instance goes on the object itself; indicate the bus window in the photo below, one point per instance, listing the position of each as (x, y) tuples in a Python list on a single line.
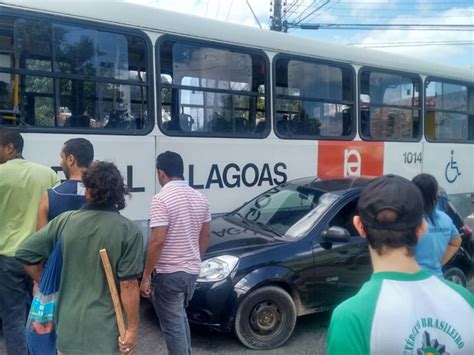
[(56, 76), (389, 106), (449, 111), (208, 91), (313, 100)]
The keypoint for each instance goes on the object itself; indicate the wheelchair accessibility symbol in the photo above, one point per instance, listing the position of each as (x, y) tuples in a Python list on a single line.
[(452, 171)]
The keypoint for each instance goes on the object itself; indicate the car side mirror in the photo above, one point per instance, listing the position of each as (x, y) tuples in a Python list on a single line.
[(336, 235)]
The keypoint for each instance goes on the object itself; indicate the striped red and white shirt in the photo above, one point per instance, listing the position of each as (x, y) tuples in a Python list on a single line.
[(183, 210)]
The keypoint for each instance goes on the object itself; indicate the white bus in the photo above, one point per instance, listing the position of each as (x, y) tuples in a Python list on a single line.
[(246, 108)]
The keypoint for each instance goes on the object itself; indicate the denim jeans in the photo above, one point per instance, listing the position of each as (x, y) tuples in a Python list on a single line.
[(15, 300), (171, 295)]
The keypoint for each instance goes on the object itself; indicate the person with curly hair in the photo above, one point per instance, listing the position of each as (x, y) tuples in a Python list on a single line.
[(85, 318)]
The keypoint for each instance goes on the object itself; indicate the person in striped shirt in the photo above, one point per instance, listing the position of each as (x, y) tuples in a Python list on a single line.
[(179, 222), (402, 309)]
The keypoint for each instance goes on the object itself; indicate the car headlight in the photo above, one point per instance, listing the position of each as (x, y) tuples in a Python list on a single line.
[(217, 269)]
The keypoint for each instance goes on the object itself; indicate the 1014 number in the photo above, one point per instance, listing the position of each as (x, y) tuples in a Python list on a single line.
[(412, 158)]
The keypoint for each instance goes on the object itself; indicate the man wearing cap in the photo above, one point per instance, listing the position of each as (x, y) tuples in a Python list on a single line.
[(402, 309)]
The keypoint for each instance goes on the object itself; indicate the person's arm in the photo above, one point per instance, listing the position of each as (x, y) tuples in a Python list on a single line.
[(38, 247), (204, 238), (453, 246), (345, 335), (34, 271), (154, 250), (130, 297), (43, 208)]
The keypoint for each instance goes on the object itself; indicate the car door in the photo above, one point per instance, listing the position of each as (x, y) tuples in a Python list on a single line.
[(340, 268)]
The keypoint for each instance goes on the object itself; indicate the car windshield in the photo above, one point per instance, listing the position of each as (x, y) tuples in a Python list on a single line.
[(288, 211)]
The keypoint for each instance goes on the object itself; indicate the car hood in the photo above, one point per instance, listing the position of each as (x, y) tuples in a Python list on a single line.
[(235, 239)]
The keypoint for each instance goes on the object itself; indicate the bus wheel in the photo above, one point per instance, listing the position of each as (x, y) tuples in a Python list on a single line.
[(265, 318), (456, 276)]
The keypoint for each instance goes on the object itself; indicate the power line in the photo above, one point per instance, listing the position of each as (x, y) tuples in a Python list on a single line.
[(391, 17), (312, 12), (398, 3), (401, 26), (291, 5), (218, 7), (228, 12), (288, 8), (316, 27), (306, 8), (253, 13), (296, 11), (406, 9), (326, 9)]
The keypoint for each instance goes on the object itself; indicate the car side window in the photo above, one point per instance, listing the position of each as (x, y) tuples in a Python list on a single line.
[(344, 218)]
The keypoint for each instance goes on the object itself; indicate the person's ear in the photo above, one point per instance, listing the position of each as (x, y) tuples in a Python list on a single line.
[(421, 229), (359, 226), (10, 148), (70, 160)]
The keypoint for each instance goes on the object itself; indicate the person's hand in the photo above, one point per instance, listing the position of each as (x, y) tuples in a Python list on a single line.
[(145, 289), (128, 344), (35, 287)]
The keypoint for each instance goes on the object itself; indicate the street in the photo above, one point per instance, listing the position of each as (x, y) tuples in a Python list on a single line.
[(309, 337)]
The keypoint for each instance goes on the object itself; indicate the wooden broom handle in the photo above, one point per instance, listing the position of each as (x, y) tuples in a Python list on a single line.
[(113, 291)]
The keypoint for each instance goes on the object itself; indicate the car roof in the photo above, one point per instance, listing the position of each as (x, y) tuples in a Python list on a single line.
[(332, 184)]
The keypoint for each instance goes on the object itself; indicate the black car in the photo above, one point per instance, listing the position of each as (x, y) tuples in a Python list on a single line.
[(291, 251)]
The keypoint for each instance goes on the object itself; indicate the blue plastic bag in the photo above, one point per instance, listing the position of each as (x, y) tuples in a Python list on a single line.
[(40, 326)]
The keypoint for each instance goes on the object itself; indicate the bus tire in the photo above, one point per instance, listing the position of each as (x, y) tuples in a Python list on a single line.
[(266, 318)]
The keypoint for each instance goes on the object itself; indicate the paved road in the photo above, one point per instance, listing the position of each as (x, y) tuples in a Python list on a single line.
[(309, 337)]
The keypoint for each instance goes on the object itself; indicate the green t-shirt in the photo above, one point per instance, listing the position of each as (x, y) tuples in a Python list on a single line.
[(398, 313), (86, 322), (22, 183)]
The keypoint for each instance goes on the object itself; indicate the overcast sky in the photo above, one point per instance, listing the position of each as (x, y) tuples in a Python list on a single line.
[(438, 12)]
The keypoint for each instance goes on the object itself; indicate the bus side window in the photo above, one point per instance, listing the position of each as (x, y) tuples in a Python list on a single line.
[(313, 99), (221, 90), (449, 111), (58, 69), (389, 106)]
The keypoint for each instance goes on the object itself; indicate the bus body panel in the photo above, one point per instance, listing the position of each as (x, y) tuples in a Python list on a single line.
[(230, 171), (134, 156)]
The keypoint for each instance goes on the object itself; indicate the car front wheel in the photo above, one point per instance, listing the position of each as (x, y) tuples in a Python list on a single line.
[(455, 275), (265, 318)]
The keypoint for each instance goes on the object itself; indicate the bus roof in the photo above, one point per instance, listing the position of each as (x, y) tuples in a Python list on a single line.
[(150, 18)]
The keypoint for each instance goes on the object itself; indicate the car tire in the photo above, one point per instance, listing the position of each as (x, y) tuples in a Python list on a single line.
[(455, 275), (265, 318)]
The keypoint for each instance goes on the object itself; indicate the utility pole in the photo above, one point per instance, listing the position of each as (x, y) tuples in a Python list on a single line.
[(277, 23)]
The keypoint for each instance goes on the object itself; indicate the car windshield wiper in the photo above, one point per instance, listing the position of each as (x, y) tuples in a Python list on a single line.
[(267, 228), (242, 218)]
